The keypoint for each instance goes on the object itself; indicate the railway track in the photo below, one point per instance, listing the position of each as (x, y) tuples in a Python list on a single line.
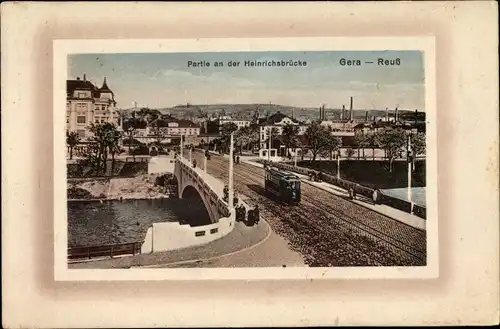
[(331, 237)]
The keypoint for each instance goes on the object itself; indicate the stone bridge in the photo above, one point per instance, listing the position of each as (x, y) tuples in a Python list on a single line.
[(192, 182), (195, 182)]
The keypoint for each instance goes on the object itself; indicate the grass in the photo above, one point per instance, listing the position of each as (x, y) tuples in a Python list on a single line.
[(373, 174)]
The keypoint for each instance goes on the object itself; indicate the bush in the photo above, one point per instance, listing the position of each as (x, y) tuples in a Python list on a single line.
[(164, 180), (141, 150), (79, 193)]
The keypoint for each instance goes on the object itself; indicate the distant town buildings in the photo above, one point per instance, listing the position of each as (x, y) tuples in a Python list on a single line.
[(277, 121), (227, 119), (86, 104)]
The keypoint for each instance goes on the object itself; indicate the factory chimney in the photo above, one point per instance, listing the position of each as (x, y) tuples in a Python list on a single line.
[(396, 115), (350, 109), (366, 116), (416, 117), (342, 113), (386, 114)]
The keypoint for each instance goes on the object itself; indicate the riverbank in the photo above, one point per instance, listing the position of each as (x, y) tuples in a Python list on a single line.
[(143, 186)]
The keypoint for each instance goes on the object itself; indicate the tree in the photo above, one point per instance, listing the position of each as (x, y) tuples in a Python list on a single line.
[(72, 139), (362, 141), (417, 145), (333, 144), (104, 140), (290, 133), (272, 133), (318, 138), (113, 137), (392, 141), (226, 131), (349, 152), (159, 132), (372, 141)]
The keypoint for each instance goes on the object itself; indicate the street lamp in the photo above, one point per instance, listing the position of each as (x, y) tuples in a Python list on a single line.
[(231, 172), (295, 156)]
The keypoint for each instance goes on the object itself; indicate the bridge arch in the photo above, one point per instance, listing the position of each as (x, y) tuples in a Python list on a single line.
[(200, 204)]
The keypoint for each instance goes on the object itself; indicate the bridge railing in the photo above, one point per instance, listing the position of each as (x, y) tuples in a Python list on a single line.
[(111, 250)]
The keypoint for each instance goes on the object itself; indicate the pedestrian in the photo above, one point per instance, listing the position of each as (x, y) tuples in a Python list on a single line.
[(256, 214), (194, 163)]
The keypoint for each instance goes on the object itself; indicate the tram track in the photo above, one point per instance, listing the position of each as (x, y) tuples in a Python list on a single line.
[(330, 237), (413, 239)]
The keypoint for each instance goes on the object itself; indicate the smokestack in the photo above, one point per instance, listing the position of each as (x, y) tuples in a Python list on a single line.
[(366, 116), (416, 117), (386, 114), (342, 113), (350, 109), (396, 115), (84, 77)]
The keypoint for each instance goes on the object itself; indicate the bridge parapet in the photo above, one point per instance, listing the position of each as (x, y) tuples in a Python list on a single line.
[(172, 235)]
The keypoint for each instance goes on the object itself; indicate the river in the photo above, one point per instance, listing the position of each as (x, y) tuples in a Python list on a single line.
[(94, 223)]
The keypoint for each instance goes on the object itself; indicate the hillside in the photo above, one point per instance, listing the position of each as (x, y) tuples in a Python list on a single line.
[(246, 111)]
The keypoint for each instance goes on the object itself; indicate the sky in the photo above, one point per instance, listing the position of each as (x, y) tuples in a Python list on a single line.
[(159, 80)]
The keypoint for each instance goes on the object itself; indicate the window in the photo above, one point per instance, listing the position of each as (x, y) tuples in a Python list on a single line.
[(81, 119), (67, 119), (81, 133)]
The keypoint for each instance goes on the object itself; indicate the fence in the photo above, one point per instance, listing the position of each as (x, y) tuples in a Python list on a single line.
[(137, 159), (131, 248), (396, 203)]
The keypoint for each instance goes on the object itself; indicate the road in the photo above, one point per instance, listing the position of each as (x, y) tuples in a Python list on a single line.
[(326, 229)]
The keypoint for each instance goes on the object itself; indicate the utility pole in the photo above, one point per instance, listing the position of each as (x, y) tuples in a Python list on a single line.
[(181, 148), (408, 158), (269, 150), (338, 164), (231, 173), (205, 164), (190, 156)]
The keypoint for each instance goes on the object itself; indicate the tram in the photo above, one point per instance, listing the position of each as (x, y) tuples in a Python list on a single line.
[(282, 185)]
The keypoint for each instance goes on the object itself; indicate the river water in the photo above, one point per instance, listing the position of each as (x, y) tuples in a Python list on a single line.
[(94, 223)]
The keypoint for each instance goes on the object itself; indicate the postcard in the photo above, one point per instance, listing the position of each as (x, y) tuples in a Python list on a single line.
[(245, 158)]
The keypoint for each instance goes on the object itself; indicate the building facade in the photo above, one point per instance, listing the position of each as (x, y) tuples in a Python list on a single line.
[(277, 122), (86, 104), (239, 123)]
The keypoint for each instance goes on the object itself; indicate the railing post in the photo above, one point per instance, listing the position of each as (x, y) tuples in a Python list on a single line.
[(205, 164)]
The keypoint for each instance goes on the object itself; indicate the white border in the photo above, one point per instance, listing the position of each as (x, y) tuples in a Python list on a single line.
[(64, 47)]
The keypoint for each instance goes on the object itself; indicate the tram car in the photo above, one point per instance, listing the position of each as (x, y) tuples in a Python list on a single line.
[(283, 185)]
